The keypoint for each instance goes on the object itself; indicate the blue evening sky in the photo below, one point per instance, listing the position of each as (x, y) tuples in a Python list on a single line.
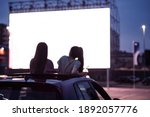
[(133, 14)]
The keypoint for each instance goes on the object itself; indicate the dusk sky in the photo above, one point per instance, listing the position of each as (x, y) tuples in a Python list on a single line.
[(133, 14)]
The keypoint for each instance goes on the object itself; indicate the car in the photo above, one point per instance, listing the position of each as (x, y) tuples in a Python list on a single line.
[(128, 79), (55, 87)]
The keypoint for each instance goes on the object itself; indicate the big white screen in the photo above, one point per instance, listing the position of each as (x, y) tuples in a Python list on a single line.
[(88, 28)]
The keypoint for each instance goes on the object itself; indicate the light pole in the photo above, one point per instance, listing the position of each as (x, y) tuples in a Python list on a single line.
[(133, 44), (143, 31)]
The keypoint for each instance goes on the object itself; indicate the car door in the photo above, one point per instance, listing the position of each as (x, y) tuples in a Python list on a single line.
[(102, 94), (90, 90)]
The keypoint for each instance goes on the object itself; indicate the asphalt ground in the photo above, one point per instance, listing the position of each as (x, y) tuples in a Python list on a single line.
[(136, 91)]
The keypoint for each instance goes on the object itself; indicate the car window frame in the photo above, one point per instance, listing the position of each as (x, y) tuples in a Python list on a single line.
[(100, 90), (79, 92)]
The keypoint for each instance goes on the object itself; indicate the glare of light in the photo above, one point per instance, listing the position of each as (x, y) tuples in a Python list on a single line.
[(2, 52), (143, 28)]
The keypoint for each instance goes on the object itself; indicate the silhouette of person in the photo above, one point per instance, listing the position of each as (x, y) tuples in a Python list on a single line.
[(72, 64), (40, 64)]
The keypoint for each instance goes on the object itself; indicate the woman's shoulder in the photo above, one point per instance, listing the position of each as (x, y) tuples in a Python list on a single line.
[(64, 58), (49, 61), (77, 62), (32, 61), (49, 67)]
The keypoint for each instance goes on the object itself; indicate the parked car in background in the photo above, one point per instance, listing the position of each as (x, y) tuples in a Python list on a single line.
[(128, 79), (56, 87)]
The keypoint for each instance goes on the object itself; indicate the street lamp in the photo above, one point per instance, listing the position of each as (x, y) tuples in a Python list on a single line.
[(143, 30)]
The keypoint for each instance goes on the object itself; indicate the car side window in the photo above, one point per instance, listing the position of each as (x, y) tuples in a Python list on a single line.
[(102, 94), (85, 91)]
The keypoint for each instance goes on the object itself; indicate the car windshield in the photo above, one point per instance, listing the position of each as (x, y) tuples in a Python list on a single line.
[(32, 91)]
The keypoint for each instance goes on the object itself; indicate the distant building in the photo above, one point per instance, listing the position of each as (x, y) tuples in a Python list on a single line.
[(147, 58), (122, 59)]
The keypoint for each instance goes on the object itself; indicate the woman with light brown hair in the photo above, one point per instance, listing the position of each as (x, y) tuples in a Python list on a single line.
[(72, 64)]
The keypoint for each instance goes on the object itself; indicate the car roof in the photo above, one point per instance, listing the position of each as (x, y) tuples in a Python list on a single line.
[(55, 79)]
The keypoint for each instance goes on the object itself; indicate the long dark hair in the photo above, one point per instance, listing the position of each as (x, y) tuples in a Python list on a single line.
[(40, 57), (77, 52)]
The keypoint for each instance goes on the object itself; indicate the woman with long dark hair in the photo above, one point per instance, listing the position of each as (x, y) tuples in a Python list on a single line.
[(40, 64)]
